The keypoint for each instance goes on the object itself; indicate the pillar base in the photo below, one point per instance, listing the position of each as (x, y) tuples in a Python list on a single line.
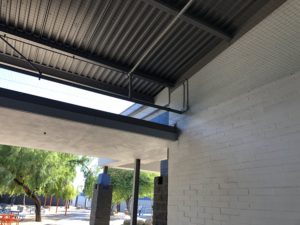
[(101, 205), (160, 203)]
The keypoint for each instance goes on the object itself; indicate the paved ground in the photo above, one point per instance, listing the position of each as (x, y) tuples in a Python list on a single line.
[(73, 217)]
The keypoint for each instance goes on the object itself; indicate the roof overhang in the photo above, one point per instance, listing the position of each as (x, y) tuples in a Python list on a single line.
[(41, 123), (96, 45)]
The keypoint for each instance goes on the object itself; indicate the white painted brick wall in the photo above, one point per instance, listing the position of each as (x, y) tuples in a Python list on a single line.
[(237, 161), (227, 171)]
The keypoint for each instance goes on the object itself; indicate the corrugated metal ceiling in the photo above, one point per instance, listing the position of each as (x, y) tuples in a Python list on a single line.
[(119, 32)]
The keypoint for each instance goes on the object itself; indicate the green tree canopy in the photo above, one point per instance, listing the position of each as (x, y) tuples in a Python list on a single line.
[(90, 174), (34, 172), (122, 182), (68, 193)]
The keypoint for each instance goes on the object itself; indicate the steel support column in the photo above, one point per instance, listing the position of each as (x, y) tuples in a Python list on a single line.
[(105, 169), (135, 191)]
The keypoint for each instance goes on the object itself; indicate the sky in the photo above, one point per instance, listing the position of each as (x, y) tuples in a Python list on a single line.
[(79, 179), (31, 85), (52, 90)]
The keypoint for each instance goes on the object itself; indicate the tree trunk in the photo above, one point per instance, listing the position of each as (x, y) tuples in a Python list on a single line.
[(12, 200), (57, 203), (24, 199), (76, 201), (128, 205), (112, 210), (66, 207), (85, 202), (45, 201), (118, 207), (38, 216), (50, 202), (34, 197)]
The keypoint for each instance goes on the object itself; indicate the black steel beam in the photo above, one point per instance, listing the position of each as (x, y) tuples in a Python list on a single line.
[(64, 77), (21, 66), (42, 106), (80, 54), (199, 23), (135, 191), (20, 54)]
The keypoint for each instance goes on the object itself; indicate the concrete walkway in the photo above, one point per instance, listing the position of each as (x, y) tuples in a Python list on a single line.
[(73, 217)]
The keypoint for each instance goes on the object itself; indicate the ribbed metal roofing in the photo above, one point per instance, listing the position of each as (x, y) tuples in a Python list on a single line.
[(119, 32)]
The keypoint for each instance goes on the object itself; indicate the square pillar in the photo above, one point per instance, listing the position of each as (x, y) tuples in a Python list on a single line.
[(101, 201), (160, 201)]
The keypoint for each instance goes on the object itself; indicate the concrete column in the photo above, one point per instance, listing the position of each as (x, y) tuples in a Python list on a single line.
[(135, 192), (101, 202)]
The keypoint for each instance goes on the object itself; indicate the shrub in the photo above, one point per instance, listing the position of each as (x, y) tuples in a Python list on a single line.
[(139, 222), (148, 222)]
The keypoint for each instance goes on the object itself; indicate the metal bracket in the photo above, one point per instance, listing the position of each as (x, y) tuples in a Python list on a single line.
[(2, 37), (166, 107), (186, 96), (130, 85), (149, 49)]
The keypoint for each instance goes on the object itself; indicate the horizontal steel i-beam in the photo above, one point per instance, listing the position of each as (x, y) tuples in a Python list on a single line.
[(64, 77), (201, 24), (42, 106)]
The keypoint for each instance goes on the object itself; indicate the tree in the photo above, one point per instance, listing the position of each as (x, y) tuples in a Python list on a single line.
[(89, 183), (21, 166), (68, 193), (122, 181), (65, 174), (90, 174), (32, 172)]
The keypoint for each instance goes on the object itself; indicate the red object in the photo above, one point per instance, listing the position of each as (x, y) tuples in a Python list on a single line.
[(7, 219)]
